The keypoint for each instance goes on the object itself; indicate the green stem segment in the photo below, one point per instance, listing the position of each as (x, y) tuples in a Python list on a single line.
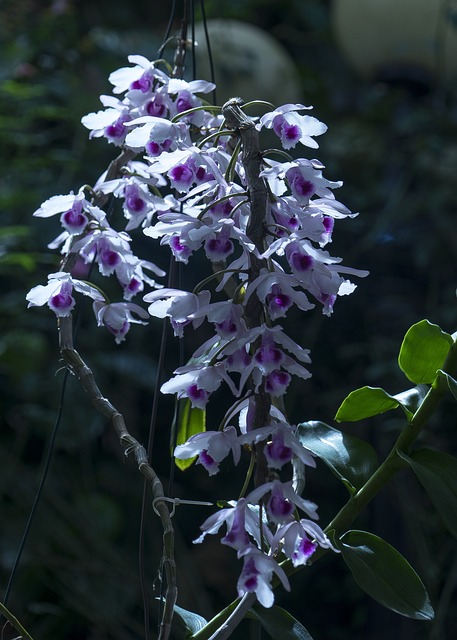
[(14, 622)]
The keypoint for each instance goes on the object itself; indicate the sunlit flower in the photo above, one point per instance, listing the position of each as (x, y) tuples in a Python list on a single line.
[(291, 127), (215, 445), (179, 306), (282, 500), (57, 294), (240, 514), (118, 316), (257, 573), (195, 382), (299, 540)]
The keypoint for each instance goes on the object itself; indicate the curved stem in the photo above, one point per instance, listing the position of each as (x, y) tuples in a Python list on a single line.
[(205, 107), (216, 275), (212, 204), (248, 476), (216, 134)]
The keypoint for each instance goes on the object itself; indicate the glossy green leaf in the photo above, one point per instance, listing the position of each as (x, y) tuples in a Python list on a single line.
[(365, 403), (423, 351), (411, 399), (383, 573), (279, 623), (190, 420), (192, 621), (437, 472), (451, 383), (185, 623), (351, 459)]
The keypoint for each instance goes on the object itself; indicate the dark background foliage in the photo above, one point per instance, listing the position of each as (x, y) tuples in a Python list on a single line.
[(395, 147)]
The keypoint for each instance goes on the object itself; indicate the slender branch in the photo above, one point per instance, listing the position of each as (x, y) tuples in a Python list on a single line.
[(252, 163), (78, 367)]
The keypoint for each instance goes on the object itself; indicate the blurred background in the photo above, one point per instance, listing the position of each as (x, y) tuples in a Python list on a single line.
[(382, 76)]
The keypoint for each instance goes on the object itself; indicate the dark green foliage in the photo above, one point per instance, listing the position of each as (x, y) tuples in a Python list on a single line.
[(437, 472), (351, 459), (385, 575), (278, 623)]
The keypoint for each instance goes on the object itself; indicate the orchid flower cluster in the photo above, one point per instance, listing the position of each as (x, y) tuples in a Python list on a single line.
[(191, 191)]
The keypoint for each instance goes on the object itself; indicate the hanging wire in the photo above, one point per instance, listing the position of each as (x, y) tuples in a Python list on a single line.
[(208, 46), (181, 47), (45, 472), (192, 32), (39, 492), (166, 37), (154, 409)]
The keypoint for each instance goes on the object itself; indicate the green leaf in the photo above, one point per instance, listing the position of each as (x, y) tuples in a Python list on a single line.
[(351, 459), (192, 621), (185, 623), (411, 399), (365, 403), (279, 623), (437, 473), (451, 383), (371, 401), (190, 420), (423, 351), (383, 573)]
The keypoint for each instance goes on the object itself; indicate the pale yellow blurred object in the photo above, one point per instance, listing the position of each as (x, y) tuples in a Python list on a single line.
[(382, 37)]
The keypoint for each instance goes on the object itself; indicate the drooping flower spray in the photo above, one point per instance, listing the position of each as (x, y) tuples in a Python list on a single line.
[(195, 178)]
